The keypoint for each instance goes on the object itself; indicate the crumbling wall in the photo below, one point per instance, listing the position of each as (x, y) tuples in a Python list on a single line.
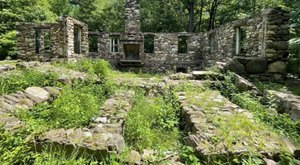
[(71, 24), (259, 44), (60, 37), (27, 43)]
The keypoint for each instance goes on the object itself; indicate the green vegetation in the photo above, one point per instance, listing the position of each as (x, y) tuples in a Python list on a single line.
[(73, 108), (280, 123), (153, 123), (101, 68), (19, 80), (277, 87)]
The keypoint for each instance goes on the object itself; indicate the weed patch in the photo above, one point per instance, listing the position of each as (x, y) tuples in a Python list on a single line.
[(153, 123), (24, 79), (280, 123)]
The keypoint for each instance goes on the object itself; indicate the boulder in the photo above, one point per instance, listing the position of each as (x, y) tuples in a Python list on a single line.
[(37, 94), (277, 67), (256, 65), (243, 84), (235, 66), (269, 162)]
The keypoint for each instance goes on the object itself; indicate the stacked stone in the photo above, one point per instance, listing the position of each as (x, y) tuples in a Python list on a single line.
[(5, 68), (26, 41), (202, 130), (277, 39), (23, 100), (70, 24), (132, 16), (104, 134)]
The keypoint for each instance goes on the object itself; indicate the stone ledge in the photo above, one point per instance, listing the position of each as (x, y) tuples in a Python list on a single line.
[(287, 103)]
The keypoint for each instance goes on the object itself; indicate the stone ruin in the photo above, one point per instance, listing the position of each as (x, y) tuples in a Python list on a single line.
[(254, 45), (66, 39)]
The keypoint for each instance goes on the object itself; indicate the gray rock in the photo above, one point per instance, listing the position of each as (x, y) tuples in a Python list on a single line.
[(243, 84), (235, 66), (147, 154), (87, 134), (269, 162), (256, 65), (101, 120), (133, 158), (53, 91), (277, 67), (37, 94)]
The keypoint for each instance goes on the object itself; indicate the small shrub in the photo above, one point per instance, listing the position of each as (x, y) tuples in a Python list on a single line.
[(101, 68), (24, 79)]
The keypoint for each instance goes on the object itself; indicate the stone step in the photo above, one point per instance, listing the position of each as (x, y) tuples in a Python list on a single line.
[(217, 127)]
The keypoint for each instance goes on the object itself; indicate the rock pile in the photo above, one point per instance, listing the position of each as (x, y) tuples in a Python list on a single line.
[(23, 100)]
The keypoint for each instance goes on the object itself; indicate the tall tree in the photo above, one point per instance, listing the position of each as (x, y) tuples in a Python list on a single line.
[(212, 14), (13, 11)]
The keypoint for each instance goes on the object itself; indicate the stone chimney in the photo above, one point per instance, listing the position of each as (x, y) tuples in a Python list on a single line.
[(132, 16), (131, 41)]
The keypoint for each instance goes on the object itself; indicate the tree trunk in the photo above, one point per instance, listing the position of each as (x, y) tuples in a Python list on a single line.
[(200, 15), (212, 15), (191, 16)]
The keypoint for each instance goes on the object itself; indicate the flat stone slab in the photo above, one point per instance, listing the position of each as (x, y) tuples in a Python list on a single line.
[(9, 122), (37, 94), (27, 98), (217, 127), (287, 103), (103, 135), (5, 68), (204, 75)]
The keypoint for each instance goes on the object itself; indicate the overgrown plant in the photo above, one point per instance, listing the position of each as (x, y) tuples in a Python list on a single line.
[(101, 68), (279, 122), (26, 78), (153, 123), (75, 106)]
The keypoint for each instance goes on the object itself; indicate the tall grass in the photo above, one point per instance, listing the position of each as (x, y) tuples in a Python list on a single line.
[(153, 123)]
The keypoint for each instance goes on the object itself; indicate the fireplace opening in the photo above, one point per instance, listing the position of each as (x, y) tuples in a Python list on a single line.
[(181, 70), (132, 51)]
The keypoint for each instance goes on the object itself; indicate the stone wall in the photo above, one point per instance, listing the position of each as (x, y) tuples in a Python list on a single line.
[(60, 38), (254, 45), (258, 40)]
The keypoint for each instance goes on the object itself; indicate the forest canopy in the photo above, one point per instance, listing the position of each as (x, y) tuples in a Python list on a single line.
[(156, 16)]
